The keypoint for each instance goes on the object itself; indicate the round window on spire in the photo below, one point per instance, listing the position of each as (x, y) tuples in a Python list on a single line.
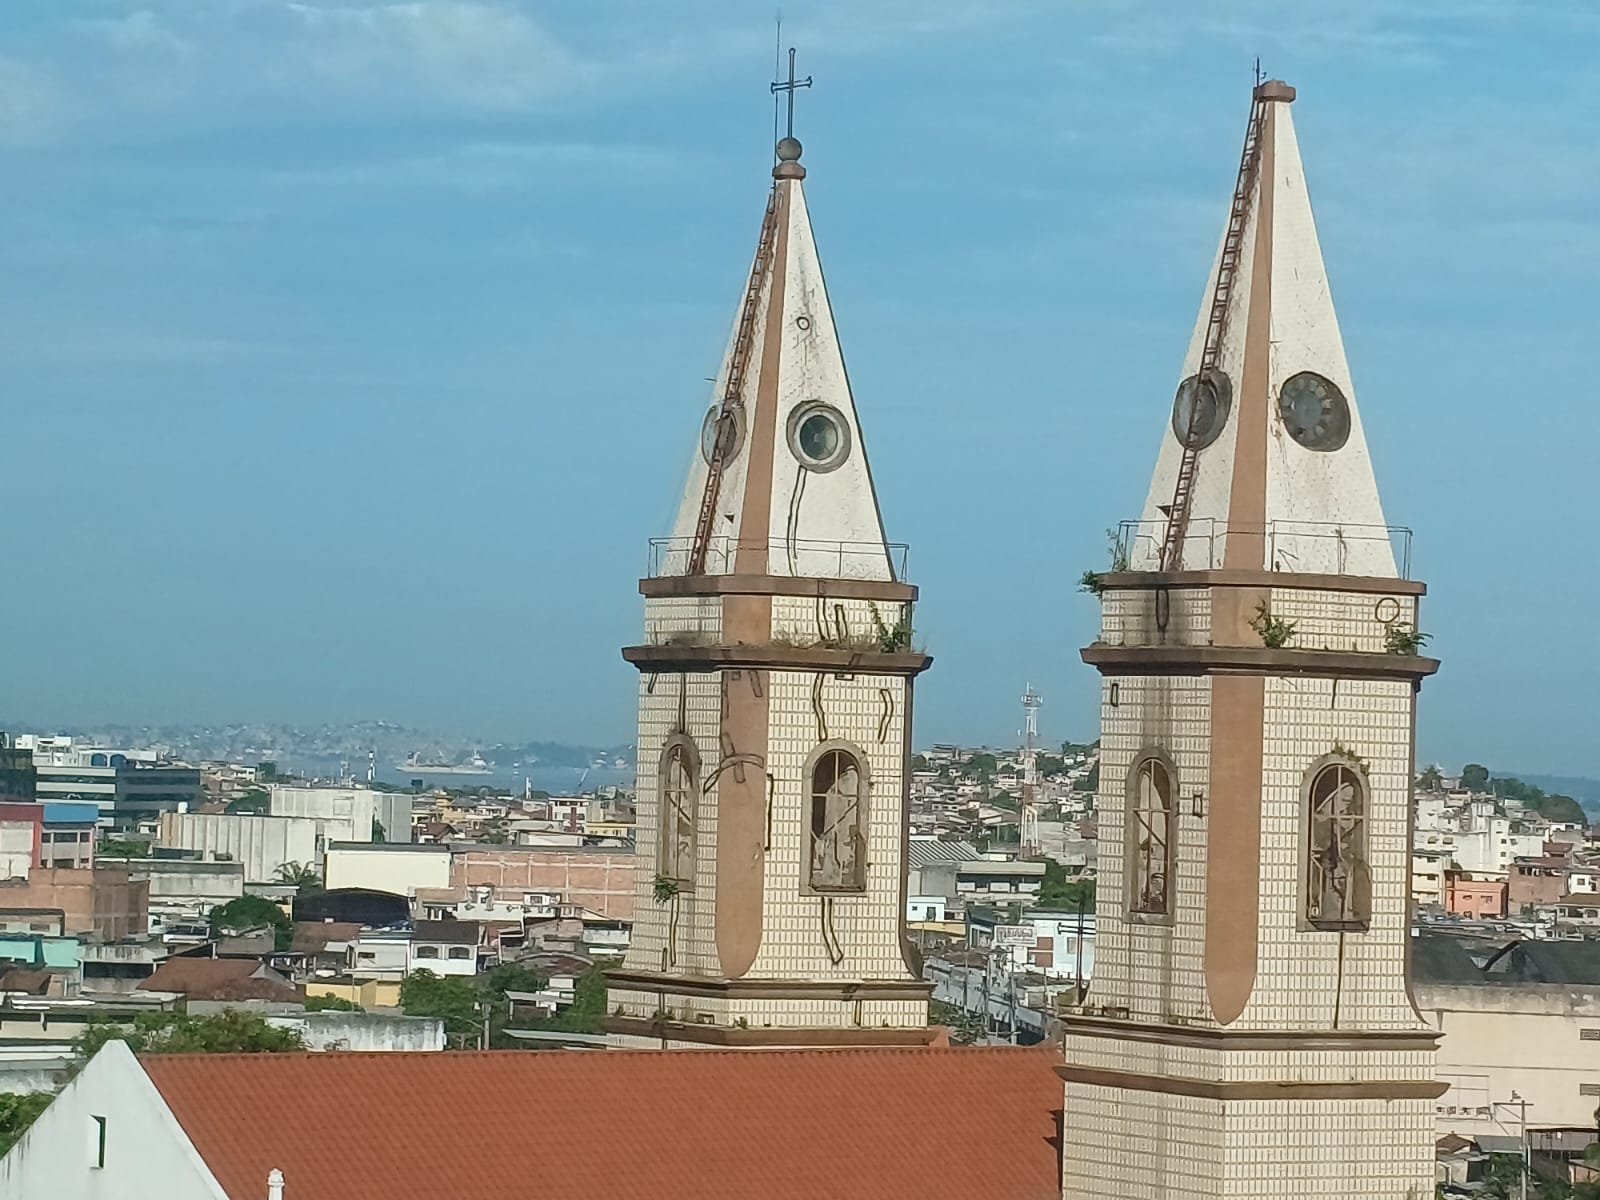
[(730, 429), (1314, 411), (819, 437), (1200, 409)]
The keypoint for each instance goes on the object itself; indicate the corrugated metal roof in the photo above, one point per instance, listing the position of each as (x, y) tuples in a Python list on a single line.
[(923, 853)]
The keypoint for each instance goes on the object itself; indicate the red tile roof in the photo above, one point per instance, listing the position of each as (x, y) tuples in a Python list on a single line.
[(219, 979), (670, 1125)]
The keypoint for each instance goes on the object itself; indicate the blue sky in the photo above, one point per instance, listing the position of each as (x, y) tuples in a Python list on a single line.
[(350, 353)]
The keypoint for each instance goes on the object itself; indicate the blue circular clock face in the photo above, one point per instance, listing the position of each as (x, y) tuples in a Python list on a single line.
[(1314, 411), (1200, 409)]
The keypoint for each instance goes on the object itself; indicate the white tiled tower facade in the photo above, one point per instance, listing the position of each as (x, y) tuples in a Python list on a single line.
[(1249, 1031), (774, 705)]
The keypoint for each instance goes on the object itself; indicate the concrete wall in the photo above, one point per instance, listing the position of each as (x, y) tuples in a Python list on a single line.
[(184, 885), (398, 870), (19, 848), (262, 844), (348, 813), (364, 1031), (369, 993), (1515, 1038)]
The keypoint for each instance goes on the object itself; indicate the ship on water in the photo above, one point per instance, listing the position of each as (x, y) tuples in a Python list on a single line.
[(476, 765)]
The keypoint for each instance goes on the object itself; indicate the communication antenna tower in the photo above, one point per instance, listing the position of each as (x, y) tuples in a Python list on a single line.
[(1031, 703)]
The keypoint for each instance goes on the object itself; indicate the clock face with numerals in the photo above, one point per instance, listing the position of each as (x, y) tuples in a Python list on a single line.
[(1314, 411), (1200, 409)]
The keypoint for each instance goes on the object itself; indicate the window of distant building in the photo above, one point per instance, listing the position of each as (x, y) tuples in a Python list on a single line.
[(837, 819), (459, 952), (1338, 882), (678, 786), (422, 952), (1150, 796)]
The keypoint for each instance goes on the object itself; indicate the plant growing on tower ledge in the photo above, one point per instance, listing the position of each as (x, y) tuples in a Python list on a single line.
[(1275, 632), (892, 638), (1403, 639), (664, 888)]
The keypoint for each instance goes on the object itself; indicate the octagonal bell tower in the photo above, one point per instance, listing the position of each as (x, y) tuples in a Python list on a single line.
[(1249, 1029), (775, 697)]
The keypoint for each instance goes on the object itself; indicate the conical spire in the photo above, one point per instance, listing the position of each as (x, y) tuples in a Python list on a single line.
[(792, 493), (1281, 477)]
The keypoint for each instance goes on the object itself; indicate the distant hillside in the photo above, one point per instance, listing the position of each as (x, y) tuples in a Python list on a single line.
[(1584, 790)]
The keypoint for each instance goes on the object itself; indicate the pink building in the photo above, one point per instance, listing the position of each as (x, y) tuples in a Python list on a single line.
[(1476, 899)]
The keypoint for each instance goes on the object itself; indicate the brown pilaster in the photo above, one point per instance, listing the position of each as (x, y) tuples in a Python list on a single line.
[(1247, 503), (755, 521)]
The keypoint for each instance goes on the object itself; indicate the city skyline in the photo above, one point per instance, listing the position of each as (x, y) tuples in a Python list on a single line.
[(329, 364)]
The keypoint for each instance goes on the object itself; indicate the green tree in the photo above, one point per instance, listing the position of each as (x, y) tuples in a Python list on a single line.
[(379, 834), (464, 1004), (1475, 777), (17, 1112), (453, 999), (1057, 891), (332, 1004), (123, 848), (1430, 780), (1050, 764), (253, 800), (1089, 781), (981, 766), (919, 762), (588, 1007), (252, 912), (228, 1032)]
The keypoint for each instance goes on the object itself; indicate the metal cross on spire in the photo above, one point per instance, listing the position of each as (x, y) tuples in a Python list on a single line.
[(793, 85)]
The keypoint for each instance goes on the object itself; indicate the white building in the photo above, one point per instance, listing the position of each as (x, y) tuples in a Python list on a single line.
[(346, 814), (264, 845), (397, 868), (445, 947)]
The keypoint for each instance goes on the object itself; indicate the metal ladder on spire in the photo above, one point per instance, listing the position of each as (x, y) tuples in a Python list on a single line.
[(733, 392), (1216, 326)]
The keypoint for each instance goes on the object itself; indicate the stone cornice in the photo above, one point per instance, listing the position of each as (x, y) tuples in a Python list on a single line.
[(1266, 1089), (727, 1035), (771, 989), (1255, 660), (1212, 1037), (772, 657), (778, 585), (1113, 581)]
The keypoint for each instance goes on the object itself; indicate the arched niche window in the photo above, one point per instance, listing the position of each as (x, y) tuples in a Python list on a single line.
[(1151, 794), (678, 787), (836, 819), (1338, 881)]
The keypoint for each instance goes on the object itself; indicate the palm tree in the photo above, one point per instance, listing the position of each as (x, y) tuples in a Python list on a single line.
[(301, 875)]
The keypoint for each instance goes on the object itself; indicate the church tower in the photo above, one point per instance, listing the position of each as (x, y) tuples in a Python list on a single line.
[(1249, 1031), (775, 684)]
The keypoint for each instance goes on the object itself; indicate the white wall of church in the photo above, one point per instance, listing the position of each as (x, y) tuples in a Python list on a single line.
[(146, 1151)]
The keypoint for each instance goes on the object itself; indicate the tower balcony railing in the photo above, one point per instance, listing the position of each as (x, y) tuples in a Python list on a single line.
[(787, 556), (1326, 547)]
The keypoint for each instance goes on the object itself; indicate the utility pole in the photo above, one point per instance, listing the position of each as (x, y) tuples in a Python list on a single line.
[(1031, 702), (1521, 1105)]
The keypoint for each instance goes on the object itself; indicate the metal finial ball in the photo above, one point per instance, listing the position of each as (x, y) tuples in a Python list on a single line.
[(789, 150)]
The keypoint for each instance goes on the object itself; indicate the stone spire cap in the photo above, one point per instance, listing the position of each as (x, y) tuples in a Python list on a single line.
[(1275, 89), (789, 150)]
